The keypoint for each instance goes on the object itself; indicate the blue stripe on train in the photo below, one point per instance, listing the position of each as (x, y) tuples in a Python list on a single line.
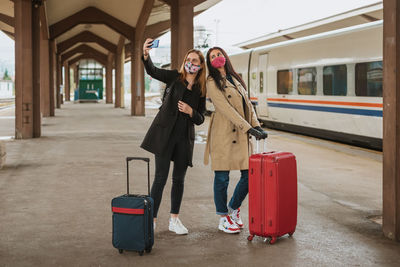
[(364, 112)]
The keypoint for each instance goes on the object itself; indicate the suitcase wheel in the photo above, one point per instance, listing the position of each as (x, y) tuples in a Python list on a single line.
[(250, 237), (148, 250), (120, 251), (272, 240), (291, 233), (141, 253)]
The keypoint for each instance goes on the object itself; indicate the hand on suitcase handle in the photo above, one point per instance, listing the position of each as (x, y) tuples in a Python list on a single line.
[(261, 130), (256, 133)]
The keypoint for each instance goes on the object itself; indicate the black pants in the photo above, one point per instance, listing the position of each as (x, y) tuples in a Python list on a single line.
[(178, 177)]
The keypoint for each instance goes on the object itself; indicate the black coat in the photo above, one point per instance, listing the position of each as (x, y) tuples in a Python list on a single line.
[(159, 134)]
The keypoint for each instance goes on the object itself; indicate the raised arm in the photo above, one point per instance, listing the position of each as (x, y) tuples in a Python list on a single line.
[(165, 76)]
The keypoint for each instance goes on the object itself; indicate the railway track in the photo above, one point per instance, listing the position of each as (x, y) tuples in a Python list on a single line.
[(6, 102)]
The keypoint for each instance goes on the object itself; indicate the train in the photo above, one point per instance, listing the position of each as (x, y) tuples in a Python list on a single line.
[(327, 85)]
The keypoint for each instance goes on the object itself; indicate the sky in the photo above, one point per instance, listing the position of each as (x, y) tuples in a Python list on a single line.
[(240, 20)]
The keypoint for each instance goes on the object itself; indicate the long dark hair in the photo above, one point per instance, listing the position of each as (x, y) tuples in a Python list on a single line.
[(216, 75)]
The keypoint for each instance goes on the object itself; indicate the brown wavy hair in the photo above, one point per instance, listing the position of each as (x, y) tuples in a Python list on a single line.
[(200, 79)]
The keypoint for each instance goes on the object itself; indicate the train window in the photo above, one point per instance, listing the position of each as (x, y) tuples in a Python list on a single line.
[(285, 81), (261, 82), (307, 84), (335, 80), (369, 79)]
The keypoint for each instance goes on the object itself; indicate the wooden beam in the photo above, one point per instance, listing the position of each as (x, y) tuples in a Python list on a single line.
[(288, 37), (83, 48), (137, 71), (86, 37), (143, 17), (91, 15), (181, 30), (391, 119), (43, 22), (369, 18), (197, 2), (67, 87), (194, 2), (168, 2), (53, 78), (44, 75), (119, 81), (7, 20), (27, 70), (58, 80), (109, 87), (87, 56), (9, 34), (155, 30)]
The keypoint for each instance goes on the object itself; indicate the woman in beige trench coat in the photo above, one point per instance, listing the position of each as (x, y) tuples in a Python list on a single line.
[(228, 136)]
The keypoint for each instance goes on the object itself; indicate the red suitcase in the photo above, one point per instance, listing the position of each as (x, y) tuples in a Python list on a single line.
[(272, 195)]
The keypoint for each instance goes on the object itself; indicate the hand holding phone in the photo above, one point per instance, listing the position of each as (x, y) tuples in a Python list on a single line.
[(154, 44), (147, 47)]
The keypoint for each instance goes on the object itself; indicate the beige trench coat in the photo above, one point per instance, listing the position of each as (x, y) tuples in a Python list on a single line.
[(227, 139)]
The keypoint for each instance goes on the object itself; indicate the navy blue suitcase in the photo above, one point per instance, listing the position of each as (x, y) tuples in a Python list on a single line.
[(133, 218)]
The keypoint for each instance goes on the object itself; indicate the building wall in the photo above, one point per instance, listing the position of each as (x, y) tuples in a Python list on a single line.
[(7, 89)]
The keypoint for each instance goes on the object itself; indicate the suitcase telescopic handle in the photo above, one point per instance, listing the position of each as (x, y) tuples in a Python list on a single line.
[(264, 145), (127, 172)]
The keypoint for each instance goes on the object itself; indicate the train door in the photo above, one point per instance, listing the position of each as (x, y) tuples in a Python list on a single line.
[(262, 85)]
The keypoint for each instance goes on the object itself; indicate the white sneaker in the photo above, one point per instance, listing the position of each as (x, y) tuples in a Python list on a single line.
[(227, 225), (175, 225), (236, 218)]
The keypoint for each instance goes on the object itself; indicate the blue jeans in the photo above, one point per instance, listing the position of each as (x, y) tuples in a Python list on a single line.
[(221, 182)]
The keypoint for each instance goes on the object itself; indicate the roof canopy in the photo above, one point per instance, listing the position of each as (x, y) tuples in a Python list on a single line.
[(99, 24)]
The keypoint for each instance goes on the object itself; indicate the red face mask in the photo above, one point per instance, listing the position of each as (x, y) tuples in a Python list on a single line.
[(218, 62)]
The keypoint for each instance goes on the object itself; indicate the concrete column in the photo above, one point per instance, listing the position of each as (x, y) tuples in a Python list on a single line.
[(52, 59), (109, 88), (181, 30), (45, 76), (391, 119), (66, 81), (27, 66)]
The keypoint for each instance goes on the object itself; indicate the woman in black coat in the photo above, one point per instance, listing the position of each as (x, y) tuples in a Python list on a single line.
[(171, 135)]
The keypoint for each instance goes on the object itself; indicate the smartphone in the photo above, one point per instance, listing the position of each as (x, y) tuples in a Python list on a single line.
[(154, 44)]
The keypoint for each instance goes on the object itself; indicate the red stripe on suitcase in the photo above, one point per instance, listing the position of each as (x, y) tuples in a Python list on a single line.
[(127, 211)]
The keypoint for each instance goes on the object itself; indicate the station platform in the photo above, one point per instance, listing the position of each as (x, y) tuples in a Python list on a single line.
[(55, 195)]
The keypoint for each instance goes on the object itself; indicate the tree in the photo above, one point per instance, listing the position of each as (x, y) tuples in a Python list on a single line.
[(6, 76)]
